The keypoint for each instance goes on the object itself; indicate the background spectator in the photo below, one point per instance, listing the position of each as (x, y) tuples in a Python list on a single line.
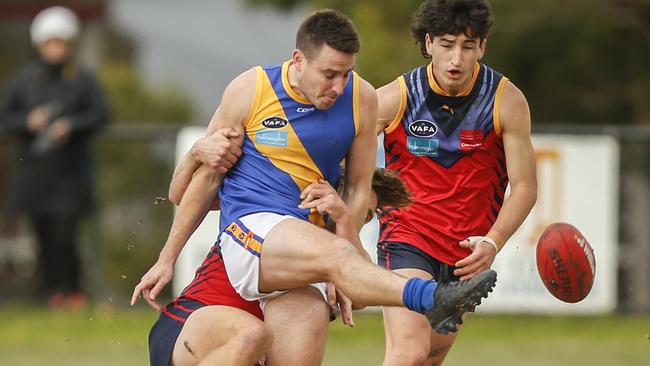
[(51, 108)]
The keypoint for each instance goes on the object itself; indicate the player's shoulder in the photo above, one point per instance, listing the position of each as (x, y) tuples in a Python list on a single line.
[(391, 99), (367, 93), (512, 97), (391, 92), (241, 90), (512, 93), (514, 107), (238, 97), (246, 81)]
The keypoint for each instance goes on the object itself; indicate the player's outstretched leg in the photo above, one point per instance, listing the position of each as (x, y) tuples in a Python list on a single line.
[(452, 299)]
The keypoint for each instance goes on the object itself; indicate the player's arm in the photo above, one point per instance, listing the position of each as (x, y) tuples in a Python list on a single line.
[(520, 162), (219, 150), (360, 162), (390, 106), (201, 190)]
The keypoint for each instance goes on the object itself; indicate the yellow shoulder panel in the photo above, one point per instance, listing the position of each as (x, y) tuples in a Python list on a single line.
[(497, 105), (258, 94), (402, 106), (355, 102)]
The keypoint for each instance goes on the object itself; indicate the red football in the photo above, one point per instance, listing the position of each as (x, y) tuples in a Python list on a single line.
[(565, 262)]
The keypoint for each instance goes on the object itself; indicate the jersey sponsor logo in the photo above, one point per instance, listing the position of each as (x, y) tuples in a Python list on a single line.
[(274, 122), (423, 147), (470, 140), (423, 128), (272, 138), (304, 110)]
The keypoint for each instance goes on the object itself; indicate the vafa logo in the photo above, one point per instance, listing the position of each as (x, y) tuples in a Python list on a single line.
[(274, 122), (423, 128)]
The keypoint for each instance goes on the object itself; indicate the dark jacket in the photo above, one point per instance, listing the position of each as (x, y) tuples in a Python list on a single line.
[(58, 179)]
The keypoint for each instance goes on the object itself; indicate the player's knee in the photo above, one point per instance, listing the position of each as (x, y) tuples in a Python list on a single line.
[(437, 355), (257, 336), (408, 356), (340, 250)]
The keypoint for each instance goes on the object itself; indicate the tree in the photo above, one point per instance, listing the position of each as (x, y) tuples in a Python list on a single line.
[(579, 61)]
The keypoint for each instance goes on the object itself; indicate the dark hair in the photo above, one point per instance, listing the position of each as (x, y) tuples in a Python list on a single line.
[(437, 17), (390, 190), (329, 27)]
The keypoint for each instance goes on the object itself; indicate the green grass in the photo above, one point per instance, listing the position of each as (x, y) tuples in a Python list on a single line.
[(35, 336)]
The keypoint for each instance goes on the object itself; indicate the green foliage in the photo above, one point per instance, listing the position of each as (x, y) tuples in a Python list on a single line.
[(131, 101), (580, 61), (134, 224), (132, 173)]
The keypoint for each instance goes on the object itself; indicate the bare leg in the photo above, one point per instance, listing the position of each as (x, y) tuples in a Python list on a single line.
[(221, 335), (299, 320), (409, 337), (297, 253)]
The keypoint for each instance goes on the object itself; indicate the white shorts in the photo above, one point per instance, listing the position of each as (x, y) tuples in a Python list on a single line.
[(241, 246)]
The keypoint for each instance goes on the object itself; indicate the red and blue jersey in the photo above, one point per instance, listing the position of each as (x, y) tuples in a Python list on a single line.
[(449, 152), (211, 286)]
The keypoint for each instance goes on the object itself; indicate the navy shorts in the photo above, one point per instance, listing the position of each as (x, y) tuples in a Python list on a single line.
[(395, 255), (165, 331)]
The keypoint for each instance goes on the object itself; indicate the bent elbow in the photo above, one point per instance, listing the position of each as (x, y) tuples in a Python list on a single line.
[(175, 195)]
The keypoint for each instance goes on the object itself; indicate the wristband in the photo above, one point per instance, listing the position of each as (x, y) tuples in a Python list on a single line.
[(474, 240)]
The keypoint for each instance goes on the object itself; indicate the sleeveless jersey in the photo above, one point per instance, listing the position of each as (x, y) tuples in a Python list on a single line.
[(288, 145), (448, 150)]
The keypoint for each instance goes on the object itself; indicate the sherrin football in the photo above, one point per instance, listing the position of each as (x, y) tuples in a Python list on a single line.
[(565, 262)]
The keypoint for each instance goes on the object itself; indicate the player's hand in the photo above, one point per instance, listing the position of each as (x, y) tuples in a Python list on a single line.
[(334, 297), (325, 199), (152, 283), (483, 254), (220, 150)]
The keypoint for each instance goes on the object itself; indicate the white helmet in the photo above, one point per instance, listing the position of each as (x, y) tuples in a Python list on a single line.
[(55, 22)]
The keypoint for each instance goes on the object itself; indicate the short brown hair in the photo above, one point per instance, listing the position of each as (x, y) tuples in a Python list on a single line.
[(390, 190), (437, 17), (329, 27)]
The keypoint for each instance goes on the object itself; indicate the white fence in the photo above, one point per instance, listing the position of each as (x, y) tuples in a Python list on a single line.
[(578, 183)]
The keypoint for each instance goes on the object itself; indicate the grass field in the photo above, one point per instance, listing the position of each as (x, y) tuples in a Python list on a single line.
[(35, 336)]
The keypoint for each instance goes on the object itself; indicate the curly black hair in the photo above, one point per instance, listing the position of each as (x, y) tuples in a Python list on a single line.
[(437, 17)]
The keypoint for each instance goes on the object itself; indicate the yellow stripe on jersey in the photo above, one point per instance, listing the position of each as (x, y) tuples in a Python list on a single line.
[(259, 73), (292, 159), (402, 106), (355, 102), (497, 105), (285, 82)]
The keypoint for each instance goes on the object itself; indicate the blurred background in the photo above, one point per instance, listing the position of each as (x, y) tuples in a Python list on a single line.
[(582, 64)]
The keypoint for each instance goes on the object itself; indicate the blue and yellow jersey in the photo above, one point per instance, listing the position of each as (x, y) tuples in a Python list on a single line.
[(288, 145)]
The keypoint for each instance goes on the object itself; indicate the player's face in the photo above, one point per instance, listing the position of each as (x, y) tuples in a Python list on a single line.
[(322, 78), (453, 58)]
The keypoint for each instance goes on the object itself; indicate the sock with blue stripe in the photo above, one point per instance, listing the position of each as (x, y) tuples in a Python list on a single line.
[(418, 294)]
